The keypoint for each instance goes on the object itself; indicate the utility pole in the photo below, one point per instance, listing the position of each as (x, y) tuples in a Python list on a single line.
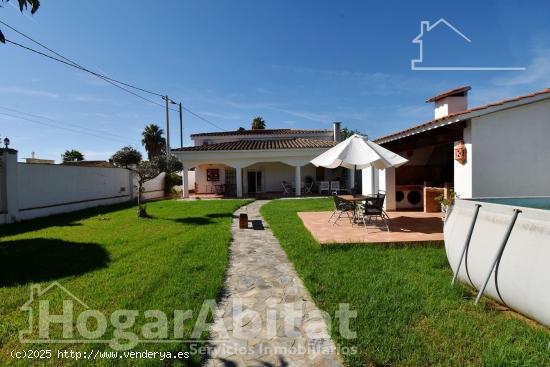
[(167, 100), (181, 127)]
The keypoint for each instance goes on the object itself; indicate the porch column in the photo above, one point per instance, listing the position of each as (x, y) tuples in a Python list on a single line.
[(389, 187), (298, 183), (185, 178), (239, 174), (371, 184)]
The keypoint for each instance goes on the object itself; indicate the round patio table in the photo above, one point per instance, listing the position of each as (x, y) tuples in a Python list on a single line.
[(354, 199)]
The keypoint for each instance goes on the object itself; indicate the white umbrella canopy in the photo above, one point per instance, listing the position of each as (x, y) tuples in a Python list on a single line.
[(357, 152)]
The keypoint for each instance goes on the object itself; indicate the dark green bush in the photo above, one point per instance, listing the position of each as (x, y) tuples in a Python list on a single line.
[(171, 180)]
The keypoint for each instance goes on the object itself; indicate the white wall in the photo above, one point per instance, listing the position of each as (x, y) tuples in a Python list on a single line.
[(511, 152), (463, 172), (449, 105), (387, 177), (371, 181), (375, 180), (2, 185), (152, 189), (191, 181), (44, 189), (204, 186), (38, 190)]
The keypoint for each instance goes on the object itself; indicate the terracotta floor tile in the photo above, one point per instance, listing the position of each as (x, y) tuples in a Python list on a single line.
[(404, 227)]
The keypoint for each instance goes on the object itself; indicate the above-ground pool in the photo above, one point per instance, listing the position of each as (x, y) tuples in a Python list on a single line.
[(520, 278)]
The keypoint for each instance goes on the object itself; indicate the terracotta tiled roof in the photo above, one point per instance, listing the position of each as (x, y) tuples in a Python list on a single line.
[(427, 124), (262, 132), (449, 93), (296, 143)]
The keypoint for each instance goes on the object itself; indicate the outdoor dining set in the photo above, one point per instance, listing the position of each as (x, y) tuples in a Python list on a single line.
[(357, 153), (360, 209)]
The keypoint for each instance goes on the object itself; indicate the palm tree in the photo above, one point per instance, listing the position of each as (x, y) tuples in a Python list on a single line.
[(153, 140), (258, 123)]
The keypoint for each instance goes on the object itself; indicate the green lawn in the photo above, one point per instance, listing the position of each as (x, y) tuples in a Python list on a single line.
[(408, 314), (112, 260)]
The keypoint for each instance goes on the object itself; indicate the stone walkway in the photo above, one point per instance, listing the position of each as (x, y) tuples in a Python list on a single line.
[(267, 317)]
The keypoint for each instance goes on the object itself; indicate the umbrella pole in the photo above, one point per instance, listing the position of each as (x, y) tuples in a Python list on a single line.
[(355, 179)]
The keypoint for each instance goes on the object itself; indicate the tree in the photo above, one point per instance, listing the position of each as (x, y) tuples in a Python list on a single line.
[(144, 171), (241, 129), (126, 156), (153, 140), (346, 133), (72, 155), (258, 123), (23, 4), (167, 164)]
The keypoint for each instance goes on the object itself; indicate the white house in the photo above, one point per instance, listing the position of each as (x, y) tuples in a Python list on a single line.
[(496, 150), (252, 162)]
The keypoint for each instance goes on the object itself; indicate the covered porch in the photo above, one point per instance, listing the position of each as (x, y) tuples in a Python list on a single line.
[(266, 174), (431, 171)]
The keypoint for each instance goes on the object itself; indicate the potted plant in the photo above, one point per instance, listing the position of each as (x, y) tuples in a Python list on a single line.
[(446, 202)]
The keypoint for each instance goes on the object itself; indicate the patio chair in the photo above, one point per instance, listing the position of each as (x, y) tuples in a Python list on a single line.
[(335, 186), (324, 186), (374, 208), (307, 187), (342, 207), (287, 188)]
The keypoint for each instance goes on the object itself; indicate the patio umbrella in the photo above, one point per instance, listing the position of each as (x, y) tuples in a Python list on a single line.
[(357, 152)]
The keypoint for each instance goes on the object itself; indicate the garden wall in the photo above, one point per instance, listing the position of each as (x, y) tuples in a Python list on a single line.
[(37, 190)]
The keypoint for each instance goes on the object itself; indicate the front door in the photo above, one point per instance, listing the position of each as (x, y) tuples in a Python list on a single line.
[(254, 181)]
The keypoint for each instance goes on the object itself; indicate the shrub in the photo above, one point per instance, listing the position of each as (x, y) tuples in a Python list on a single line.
[(171, 180)]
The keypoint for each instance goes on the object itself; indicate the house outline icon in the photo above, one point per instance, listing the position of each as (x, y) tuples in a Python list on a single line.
[(425, 27), (35, 293)]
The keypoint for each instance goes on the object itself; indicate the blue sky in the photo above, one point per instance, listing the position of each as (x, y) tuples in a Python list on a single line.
[(299, 64)]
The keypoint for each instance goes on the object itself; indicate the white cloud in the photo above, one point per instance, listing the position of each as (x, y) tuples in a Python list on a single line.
[(371, 83), (263, 90), (29, 92), (226, 116), (312, 116), (537, 73)]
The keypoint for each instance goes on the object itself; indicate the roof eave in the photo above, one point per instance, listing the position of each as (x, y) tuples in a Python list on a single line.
[(462, 117), (249, 150)]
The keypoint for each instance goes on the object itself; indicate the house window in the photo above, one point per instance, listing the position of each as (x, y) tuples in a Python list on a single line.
[(212, 174)]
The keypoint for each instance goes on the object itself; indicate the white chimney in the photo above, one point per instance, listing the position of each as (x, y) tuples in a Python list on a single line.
[(336, 131), (449, 102)]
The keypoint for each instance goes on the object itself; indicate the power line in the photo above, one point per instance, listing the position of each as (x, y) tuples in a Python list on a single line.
[(202, 118), (76, 66), (73, 63), (117, 83), (59, 121), (103, 136)]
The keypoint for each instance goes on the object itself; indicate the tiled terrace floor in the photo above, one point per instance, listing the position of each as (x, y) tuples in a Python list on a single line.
[(404, 227)]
